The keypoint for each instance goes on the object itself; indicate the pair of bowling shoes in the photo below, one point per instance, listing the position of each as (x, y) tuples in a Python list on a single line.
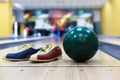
[(44, 54)]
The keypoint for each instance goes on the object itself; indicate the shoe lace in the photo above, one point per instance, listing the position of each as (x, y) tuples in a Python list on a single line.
[(47, 47), (25, 46)]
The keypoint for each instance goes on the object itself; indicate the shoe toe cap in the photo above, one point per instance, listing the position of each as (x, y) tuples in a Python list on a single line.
[(5, 56), (33, 57)]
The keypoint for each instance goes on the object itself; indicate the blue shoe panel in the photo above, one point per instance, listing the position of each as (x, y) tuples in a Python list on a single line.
[(23, 54)]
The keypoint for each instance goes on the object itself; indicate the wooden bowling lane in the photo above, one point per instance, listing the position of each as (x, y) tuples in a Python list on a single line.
[(59, 73), (100, 67)]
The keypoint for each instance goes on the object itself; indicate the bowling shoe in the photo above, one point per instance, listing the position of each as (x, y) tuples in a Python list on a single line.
[(24, 53), (45, 55)]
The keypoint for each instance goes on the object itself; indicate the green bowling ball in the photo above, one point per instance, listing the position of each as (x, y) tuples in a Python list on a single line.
[(80, 44)]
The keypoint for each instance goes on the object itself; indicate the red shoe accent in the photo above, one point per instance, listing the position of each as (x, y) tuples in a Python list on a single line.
[(53, 54)]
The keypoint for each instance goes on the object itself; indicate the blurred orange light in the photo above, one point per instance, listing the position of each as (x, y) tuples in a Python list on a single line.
[(27, 15), (64, 19)]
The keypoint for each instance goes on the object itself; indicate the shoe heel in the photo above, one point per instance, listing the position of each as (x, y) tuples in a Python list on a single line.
[(60, 57)]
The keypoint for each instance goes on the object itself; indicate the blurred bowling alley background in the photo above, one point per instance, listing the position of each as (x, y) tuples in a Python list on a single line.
[(44, 18)]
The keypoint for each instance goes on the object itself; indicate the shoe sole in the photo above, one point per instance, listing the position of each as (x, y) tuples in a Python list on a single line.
[(56, 58), (16, 59)]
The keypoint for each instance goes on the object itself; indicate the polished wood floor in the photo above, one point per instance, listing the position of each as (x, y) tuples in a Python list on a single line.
[(100, 67)]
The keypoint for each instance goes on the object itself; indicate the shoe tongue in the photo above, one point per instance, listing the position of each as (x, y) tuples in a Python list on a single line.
[(25, 46)]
